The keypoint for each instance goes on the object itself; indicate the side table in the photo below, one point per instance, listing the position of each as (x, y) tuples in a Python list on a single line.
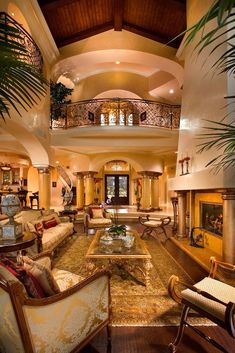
[(8, 245)]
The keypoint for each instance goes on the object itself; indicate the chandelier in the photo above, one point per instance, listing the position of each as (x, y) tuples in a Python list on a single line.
[(5, 166)]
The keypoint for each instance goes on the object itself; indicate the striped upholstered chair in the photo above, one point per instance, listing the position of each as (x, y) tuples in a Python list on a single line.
[(211, 298)]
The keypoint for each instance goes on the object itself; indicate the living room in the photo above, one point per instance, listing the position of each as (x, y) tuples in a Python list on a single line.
[(124, 138)]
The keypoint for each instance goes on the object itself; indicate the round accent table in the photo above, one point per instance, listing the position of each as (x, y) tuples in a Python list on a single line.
[(8, 245)]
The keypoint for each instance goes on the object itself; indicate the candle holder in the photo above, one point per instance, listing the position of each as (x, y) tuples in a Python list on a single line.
[(181, 161), (187, 159)]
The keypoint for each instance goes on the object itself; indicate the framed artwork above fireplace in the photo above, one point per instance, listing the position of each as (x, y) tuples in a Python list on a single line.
[(211, 217)]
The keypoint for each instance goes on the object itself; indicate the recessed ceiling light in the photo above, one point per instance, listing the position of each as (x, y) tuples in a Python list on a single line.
[(57, 162), (12, 14), (171, 91), (117, 62)]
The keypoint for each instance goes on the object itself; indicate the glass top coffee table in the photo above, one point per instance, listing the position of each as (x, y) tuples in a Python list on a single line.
[(134, 259)]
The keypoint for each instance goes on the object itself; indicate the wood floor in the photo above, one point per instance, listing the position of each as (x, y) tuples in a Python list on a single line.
[(156, 339)]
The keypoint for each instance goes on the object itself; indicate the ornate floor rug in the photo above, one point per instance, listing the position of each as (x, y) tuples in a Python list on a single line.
[(132, 303)]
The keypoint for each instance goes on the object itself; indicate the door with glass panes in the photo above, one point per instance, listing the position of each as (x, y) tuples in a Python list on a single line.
[(117, 188)]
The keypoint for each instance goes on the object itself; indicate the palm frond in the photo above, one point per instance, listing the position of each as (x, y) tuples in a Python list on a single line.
[(21, 83)]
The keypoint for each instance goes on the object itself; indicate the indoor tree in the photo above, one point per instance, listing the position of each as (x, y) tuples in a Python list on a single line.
[(219, 135), (21, 83)]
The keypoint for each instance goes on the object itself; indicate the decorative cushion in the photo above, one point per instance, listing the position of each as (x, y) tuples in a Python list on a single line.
[(43, 275), (152, 223), (101, 221), (219, 290), (31, 227), (49, 223), (30, 283), (97, 213), (39, 227), (65, 279)]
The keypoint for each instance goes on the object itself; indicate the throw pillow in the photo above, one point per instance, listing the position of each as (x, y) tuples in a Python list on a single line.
[(49, 223), (43, 275), (31, 227), (97, 213), (30, 283), (38, 226)]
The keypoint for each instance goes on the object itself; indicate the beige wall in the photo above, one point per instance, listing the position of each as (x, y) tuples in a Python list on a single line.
[(202, 100)]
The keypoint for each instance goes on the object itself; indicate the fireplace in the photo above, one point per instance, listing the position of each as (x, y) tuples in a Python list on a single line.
[(211, 217)]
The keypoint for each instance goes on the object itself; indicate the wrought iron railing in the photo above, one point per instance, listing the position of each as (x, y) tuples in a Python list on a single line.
[(115, 112), (35, 56)]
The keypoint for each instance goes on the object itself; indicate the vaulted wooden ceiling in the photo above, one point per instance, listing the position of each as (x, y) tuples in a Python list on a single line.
[(73, 20)]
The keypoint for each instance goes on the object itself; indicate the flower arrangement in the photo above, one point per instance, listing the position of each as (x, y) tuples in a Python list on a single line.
[(117, 230)]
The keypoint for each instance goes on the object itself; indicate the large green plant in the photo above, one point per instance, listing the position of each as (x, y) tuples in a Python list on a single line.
[(21, 83), (219, 135)]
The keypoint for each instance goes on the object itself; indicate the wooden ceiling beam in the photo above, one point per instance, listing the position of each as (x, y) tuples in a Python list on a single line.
[(84, 34), (158, 37), (52, 4), (118, 9)]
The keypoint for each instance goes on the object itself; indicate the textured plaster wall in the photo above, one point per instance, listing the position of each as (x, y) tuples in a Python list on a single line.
[(202, 99)]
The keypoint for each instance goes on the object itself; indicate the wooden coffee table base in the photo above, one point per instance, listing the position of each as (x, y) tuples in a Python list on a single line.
[(130, 266)]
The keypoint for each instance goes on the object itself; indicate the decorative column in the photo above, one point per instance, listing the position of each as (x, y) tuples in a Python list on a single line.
[(174, 201), (79, 190), (89, 187), (44, 192), (228, 197), (146, 191), (155, 192), (181, 214)]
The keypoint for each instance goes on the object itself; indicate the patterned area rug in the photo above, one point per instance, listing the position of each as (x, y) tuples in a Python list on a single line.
[(132, 303)]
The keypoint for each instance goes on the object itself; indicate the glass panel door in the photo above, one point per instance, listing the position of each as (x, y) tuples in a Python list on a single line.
[(117, 189)]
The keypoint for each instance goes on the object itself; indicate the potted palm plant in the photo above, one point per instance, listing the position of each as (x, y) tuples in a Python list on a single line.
[(21, 82)]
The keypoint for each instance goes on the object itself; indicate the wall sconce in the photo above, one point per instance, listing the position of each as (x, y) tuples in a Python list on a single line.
[(5, 167)]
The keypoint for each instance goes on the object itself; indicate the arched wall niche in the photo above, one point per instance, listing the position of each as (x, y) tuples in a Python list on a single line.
[(117, 93)]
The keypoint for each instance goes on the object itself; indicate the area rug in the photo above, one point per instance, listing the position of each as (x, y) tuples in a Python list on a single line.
[(132, 303)]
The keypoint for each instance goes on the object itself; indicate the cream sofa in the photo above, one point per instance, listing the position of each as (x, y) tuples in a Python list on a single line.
[(50, 238), (63, 322)]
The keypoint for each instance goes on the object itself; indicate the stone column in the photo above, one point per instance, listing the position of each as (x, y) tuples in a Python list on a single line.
[(181, 214), (89, 187), (44, 192), (79, 190), (228, 197), (155, 192), (146, 191)]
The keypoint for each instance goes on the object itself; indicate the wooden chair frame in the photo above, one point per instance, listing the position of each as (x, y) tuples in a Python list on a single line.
[(164, 221), (19, 300), (228, 323)]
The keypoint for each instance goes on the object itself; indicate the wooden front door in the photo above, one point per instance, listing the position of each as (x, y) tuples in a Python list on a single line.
[(117, 188)]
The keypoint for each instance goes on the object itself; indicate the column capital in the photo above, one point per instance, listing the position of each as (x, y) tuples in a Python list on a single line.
[(89, 174), (43, 169), (228, 194), (78, 174), (149, 174), (181, 193)]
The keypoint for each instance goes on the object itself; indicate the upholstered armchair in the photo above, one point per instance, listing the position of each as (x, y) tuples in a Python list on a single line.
[(96, 218), (211, 298), (63, 322)]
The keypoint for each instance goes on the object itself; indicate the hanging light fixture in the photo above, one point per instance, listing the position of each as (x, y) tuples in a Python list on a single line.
[(5, 167)]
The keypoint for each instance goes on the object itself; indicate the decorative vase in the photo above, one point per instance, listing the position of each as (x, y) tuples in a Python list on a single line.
[(11, 206)]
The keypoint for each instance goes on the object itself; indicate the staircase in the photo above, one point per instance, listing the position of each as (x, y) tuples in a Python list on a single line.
[(68, 184)]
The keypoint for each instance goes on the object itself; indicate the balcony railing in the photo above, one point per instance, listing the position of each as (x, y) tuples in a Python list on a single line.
[(35, 57), (115, 112)]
